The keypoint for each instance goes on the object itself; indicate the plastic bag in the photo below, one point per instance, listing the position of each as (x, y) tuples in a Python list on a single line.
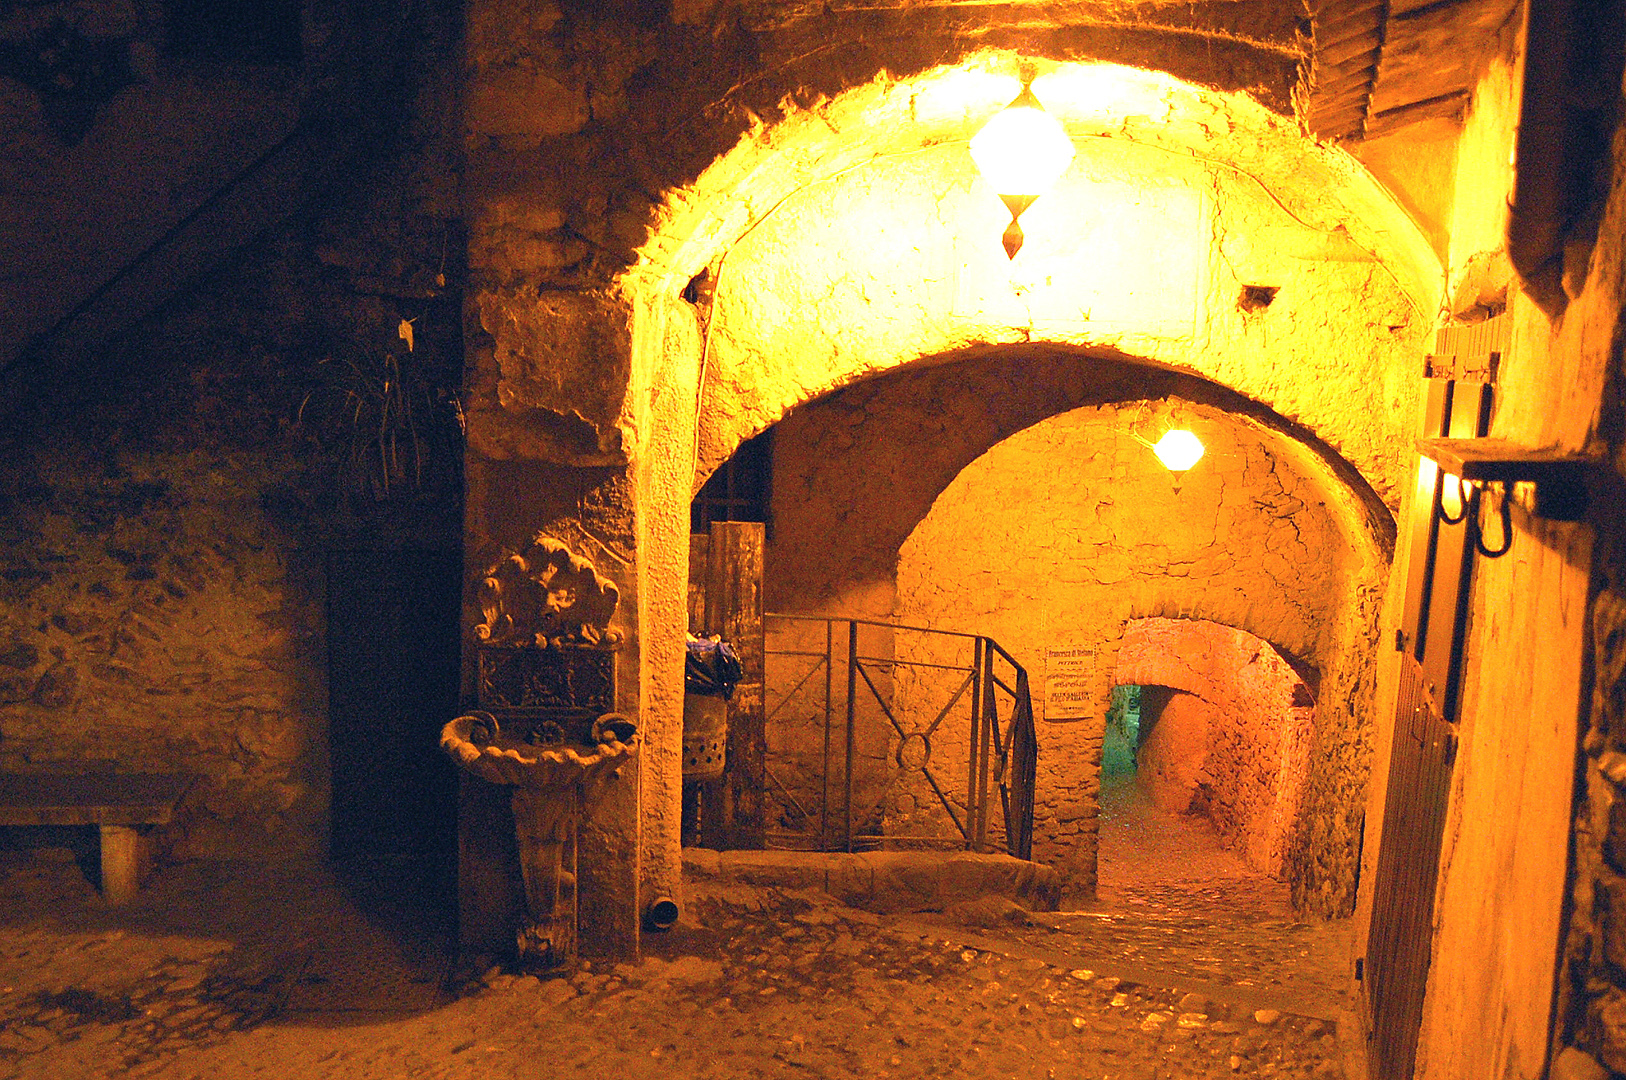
[(711, 668)]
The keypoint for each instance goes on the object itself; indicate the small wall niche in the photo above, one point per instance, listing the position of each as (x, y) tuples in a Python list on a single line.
[(1256, 298)]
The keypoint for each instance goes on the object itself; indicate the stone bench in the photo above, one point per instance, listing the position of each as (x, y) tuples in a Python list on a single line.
[(121, 805)]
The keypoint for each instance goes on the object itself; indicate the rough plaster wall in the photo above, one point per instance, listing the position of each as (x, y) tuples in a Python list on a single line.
[(75, 213), (1136, 250), (1173, 754), (1092, 534), (1477, 263), (664, 534), (1418, 164), (866, 463), (1259, 726)]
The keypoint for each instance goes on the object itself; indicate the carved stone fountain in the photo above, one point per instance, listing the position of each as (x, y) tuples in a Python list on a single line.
[(545, 725)]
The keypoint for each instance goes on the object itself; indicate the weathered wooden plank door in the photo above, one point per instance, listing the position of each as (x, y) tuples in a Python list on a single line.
[(1397, 951), (1424, 742)]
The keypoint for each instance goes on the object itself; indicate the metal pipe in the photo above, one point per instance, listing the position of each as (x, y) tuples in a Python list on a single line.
[(661, 914), (852, 724), (829, 690)]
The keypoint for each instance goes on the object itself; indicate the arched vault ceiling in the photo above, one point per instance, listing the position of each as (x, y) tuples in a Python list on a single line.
[(855, 236)]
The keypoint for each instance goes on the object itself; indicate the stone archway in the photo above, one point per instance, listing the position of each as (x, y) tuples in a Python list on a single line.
[(1226, 735), (808, 257), (1060, 535), (847, 239)]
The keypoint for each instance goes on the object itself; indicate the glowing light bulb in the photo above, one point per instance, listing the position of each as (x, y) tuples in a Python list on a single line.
[(1023, 150), (1178, 450)]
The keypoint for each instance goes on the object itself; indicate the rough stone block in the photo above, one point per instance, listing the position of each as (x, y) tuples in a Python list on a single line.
[(517, 101), (907, 880), (849, 878), (501, 29), (1611, 891), (1611, 1016), (1573, 1064), (778, 869), (59, 687), (967, 874), (554, 385), (122, 859), (701, 862)]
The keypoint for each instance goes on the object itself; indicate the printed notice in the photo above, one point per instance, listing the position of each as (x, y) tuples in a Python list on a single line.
[(1068, 672)]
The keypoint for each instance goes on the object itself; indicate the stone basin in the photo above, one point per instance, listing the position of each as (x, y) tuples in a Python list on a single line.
[(502, 759), (547, 783)]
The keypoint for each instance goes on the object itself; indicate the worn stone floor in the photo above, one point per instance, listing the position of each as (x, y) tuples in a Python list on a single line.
[(1171, 899), (228, 970)]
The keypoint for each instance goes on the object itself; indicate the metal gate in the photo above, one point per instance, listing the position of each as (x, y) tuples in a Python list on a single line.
[(948, 718), (1397, 953)]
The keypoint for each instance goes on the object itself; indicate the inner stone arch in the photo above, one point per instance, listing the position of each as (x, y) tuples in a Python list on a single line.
[(1061, 534), (1003, 493)]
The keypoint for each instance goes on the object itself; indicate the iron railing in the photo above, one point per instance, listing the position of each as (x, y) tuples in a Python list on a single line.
[(879, 755)]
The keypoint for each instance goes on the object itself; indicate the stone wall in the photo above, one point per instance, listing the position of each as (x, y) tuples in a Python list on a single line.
[(157, 617), (168, 507)]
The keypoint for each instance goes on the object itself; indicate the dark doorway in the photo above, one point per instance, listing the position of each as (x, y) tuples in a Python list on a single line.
[(393, 654)]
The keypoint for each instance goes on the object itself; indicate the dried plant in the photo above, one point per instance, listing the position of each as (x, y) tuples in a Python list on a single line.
[(387, 418)]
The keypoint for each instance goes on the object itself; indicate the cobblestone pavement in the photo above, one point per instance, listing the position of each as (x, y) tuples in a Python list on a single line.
[(1172, 900), (228, 971)]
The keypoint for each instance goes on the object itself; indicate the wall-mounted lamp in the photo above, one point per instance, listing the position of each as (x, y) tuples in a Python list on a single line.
[(1552, 484), (1021, 152)]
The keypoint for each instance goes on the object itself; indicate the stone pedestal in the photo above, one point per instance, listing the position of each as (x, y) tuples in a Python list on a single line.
[(545, 827)]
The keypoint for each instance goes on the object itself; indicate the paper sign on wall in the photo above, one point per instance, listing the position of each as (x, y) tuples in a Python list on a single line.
[(1068, 673)]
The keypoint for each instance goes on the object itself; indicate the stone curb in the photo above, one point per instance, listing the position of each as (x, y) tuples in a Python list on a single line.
[(885, 881)]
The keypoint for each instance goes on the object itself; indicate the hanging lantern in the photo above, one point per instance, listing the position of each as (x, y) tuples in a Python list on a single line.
[(1021, 152)]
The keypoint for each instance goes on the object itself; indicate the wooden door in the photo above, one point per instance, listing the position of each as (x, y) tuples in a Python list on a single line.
[(1424, 743), (393, 653)]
